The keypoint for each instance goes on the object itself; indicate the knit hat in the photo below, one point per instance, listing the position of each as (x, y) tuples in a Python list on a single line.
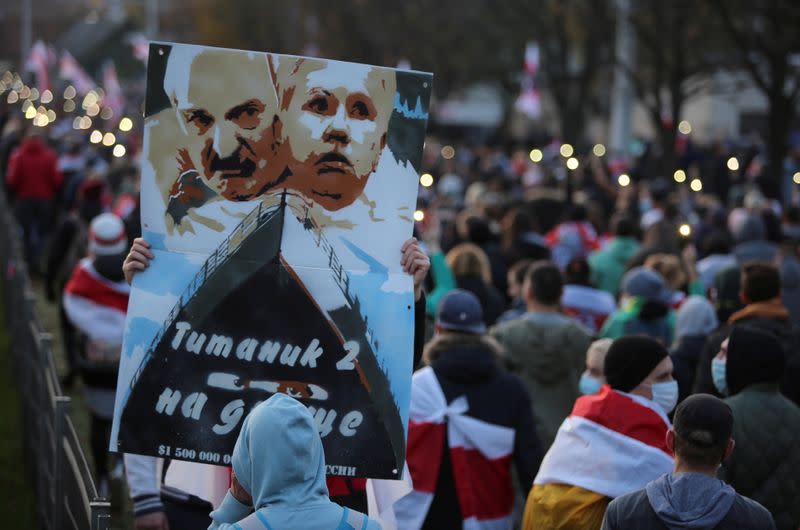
[(754, 356), (107, 235), (460, 310), (630, 360), (696, 316), (646, 284), (704, 421)]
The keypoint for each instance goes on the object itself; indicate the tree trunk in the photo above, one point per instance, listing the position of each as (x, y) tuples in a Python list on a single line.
[(780, 119)]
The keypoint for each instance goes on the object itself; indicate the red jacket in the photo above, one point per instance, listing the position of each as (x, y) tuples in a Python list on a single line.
[(33, 171)]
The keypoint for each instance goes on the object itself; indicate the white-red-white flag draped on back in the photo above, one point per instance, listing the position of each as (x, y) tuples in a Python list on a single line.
[(479, 451), (612, 444), (96, 305)]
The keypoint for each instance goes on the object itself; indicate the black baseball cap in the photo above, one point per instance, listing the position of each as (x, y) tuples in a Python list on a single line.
[(704, 420), (460, 310)]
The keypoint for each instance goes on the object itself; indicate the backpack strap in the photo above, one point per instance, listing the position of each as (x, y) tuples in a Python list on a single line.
[(254, 521), (353, 520)]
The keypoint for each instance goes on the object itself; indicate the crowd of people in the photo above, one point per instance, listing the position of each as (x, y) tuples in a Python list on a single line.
[(633, 351)]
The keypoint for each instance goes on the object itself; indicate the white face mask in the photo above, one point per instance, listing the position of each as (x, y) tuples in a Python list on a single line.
[(718, 375), (589, 384), (666, 395)]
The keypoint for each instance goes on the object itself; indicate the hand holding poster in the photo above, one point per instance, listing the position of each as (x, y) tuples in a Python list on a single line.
[(276, 194)]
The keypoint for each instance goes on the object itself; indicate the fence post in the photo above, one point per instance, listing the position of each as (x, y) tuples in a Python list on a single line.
[(100, 512), (62, 409)]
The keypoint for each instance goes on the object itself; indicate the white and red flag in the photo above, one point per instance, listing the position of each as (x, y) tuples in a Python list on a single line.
[(612, 444), (480, 453), (39, 62), (70, 70), (529, 101), (114, 99), (95, 305)]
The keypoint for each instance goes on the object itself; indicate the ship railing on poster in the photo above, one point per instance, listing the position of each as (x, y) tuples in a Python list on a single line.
[(253, 221)]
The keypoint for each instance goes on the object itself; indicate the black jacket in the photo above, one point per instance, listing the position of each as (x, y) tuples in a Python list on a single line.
[(491, 300), (466, 365), (782, 329), (634, 511), (685, 355)]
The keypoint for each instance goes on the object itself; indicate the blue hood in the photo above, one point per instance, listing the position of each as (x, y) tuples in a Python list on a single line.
[(690, 500), (278, 456)]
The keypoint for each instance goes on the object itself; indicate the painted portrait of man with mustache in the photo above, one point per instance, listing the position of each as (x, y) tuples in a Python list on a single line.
[(226, 106)]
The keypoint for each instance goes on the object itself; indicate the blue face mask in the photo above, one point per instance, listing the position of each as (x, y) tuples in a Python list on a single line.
[(718, 375), (589, 384), (666, 395)]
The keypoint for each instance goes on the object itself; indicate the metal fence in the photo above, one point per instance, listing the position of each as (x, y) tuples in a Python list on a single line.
[(66, 495)]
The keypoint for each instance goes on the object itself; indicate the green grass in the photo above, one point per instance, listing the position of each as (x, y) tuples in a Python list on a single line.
[(16, 483)]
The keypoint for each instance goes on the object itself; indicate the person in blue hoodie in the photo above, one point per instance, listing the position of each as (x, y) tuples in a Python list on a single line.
[(279, 470), (692, 497)]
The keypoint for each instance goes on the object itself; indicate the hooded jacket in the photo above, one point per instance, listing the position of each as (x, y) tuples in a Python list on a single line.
[(686, 501), (278, 459), (549, 352), (33, 171), (608, 264)]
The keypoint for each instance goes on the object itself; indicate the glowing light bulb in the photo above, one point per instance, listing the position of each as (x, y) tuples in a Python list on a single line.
[(572, 163)]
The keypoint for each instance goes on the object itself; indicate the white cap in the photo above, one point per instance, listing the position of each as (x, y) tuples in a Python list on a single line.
[(107, 235)]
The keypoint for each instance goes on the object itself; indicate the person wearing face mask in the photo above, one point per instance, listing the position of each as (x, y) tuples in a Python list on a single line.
[(96, 301), (594, 378), (613, 443), (748, 368)]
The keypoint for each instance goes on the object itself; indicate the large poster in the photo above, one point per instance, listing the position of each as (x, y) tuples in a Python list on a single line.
[(276, 194)]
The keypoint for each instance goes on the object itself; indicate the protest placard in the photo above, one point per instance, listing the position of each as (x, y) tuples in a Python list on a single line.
[(276, 194)]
